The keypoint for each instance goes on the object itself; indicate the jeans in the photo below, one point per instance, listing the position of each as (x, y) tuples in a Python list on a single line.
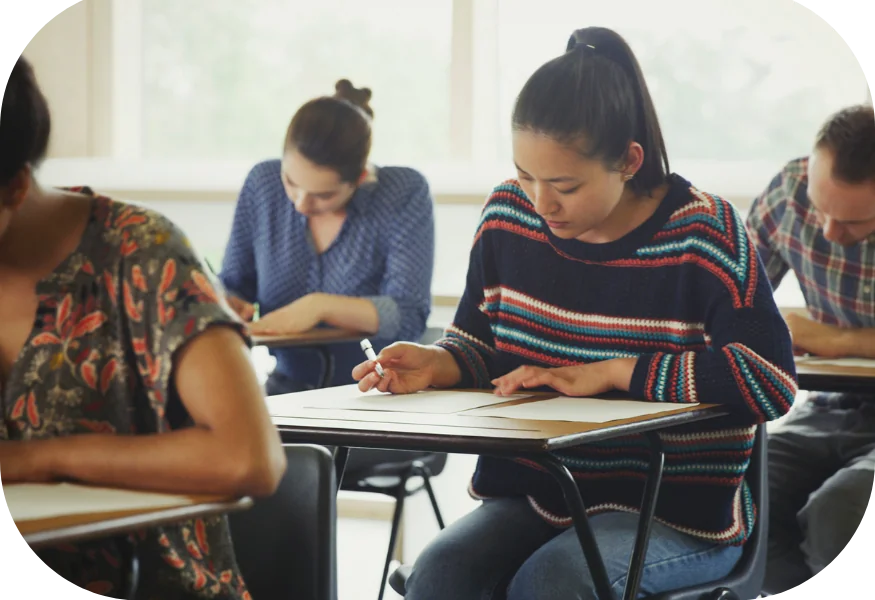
[(821, 465), (505, 550)]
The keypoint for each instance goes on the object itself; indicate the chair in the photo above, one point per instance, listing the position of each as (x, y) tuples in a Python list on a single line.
[(389, 472), (286, 544), (746, 580)]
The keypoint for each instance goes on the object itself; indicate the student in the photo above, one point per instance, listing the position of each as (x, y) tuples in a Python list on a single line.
[(599, 270), (817, 217), (120, 367), (322, 237)]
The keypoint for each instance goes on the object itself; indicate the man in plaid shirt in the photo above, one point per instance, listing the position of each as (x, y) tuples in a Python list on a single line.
[(817, 217)]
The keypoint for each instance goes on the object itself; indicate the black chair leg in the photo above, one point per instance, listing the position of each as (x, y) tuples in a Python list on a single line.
[(400, 495), (425, 473)]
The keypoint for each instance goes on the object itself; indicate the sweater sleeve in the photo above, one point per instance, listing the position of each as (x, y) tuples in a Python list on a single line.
[(748, 365), (469, 337)]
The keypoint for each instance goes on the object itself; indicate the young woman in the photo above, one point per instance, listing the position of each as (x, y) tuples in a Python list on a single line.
[(322, 237), (119, 366), (598, 270)]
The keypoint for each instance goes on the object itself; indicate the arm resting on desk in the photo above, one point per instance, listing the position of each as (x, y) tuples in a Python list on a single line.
[(830, 340), (232, 448)]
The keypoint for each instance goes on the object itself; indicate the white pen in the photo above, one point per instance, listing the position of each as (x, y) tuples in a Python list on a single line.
[(369, 353)]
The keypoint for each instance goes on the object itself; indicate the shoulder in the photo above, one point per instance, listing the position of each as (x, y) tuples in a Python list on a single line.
[(705, 231), (508, 201), (265, 173), (788, 187), (400, 191)]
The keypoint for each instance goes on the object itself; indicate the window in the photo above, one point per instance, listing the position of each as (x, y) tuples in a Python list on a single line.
[(222, 78), (740, 85), (732, 80)]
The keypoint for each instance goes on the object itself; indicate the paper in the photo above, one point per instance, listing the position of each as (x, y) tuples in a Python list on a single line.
[(813, 361), (350, 398), (29, 501), (580, 410)]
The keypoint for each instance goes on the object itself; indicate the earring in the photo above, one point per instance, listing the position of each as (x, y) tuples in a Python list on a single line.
[(627, 177)]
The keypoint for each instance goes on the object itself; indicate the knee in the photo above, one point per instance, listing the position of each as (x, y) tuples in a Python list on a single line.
[(442, 570), (833, 514), (548, 575)]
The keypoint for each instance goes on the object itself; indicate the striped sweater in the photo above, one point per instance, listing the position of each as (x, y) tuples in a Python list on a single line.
[(686, 295)]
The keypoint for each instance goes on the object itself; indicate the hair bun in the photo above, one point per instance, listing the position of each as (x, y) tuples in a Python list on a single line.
[(361, 97)]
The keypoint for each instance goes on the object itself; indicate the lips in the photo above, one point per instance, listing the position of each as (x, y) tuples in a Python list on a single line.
[(557, 224)]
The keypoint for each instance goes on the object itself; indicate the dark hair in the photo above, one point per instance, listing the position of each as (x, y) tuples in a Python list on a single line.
[(594, 97), (25, 123), (335, 131), (850, 136)]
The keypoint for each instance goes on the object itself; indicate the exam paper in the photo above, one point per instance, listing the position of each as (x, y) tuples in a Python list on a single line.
[(29, 501), (349, 397), (581, 410)]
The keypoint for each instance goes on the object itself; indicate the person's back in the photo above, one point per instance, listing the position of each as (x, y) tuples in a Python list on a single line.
[(817, 218), (120, 367)]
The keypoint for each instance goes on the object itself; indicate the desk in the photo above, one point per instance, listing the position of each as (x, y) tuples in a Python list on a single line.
[(833, 378), (320, 339), (70, 528), (466, 434)]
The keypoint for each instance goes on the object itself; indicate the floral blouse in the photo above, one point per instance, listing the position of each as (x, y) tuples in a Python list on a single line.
[(99, 360)]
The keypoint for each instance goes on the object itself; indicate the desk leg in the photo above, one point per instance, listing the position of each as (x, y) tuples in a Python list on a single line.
[(645, 520), (341, 454), (581, 523), (328, 361), (130, 560)]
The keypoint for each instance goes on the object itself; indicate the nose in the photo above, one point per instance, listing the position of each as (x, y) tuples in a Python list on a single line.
[(543, 201), (303, 202)]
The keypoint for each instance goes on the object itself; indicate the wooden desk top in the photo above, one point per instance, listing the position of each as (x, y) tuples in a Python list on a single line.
[(39, 533), (460, 433), (314, 337), (833, 378)]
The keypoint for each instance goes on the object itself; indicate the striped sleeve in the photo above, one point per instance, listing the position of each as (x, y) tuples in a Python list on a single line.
[(748, 365)]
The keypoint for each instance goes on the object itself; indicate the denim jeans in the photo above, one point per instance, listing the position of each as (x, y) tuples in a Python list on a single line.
[(505, 550)]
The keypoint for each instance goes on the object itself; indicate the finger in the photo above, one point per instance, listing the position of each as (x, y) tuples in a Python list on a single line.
[(384, 382), (362, 369), (368, 382)]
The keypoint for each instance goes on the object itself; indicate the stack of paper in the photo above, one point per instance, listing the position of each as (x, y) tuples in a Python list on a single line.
[(581, 410)]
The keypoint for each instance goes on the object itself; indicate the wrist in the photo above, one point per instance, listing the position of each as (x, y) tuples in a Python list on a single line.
[(620, 372), (443, 370)]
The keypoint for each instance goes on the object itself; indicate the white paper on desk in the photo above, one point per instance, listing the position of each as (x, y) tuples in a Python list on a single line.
[(813, 361), (434, 402), (29, 501), (579, 410)]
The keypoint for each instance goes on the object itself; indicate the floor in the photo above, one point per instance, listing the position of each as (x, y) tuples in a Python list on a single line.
[(361, 549)]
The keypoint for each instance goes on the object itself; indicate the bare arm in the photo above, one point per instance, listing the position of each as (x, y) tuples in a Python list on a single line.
[(830, 340), (232, 449)]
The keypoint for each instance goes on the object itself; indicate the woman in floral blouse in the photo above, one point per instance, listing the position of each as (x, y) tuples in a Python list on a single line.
[(120, 366)]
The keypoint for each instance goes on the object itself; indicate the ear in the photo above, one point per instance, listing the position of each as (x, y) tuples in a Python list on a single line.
[(363, 177), (15, 192), (634, 160)]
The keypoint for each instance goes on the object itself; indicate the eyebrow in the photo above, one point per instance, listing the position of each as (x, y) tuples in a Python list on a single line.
[(551, 180)]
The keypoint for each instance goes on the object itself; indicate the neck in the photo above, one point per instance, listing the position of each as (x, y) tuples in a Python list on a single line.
[(39, 230), (631, 212)]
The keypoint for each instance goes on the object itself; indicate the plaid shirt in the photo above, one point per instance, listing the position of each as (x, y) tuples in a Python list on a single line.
[(838, 282)]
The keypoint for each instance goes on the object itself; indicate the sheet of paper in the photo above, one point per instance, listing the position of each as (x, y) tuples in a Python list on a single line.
[(350, 398), (29, 501), (580, 410), (813, 361)]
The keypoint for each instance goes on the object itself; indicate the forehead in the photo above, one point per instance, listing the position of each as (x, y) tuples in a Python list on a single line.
[(543, 157), (308, 175), (837, 199)]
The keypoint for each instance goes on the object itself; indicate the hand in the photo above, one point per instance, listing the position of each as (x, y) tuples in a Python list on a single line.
[(301, 315), (816, 338), (580, 380), (25, 462), (408, 368), (243, 309)]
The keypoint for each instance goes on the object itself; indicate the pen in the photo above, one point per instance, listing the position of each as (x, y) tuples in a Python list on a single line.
[(369, 353)]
